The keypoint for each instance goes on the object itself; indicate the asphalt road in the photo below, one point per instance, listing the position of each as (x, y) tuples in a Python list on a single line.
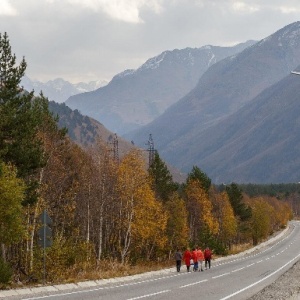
[(238, 277)]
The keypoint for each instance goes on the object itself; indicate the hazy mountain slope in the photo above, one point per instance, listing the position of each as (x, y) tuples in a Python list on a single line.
[(136, 97), (259, 143), (84, 130), (222, 90)]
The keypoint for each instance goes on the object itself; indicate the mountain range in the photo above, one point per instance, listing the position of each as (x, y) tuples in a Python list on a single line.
[(240, 122), (59, 90), (134, 98)]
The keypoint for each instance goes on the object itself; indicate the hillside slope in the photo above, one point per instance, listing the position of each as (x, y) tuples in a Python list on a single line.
[(225, 88), (134, 98), (84, 130), (259, 143)]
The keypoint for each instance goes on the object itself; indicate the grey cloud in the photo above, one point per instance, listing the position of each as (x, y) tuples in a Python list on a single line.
[(80, 44)]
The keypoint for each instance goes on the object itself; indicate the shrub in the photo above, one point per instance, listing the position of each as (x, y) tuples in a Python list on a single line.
[(5, 272)]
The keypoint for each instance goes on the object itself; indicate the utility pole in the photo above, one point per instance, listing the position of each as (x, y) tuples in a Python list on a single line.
[(150, 149), (115, 147)]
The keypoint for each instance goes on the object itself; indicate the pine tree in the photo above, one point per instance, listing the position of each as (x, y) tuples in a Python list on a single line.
[(163, 182), (21, 115), (236, 200), (201, 177)]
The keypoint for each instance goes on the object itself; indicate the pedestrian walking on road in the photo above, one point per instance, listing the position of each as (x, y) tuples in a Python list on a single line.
[(207, 257), (178, 258), (187, 256), (195, 259), (200, 256)]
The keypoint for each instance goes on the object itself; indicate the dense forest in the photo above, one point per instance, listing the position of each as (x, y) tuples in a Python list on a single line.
[(105, 211)]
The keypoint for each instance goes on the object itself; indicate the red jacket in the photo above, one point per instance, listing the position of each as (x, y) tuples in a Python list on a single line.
[(200, 255), (194, 256), (187, 257), (207, 253)]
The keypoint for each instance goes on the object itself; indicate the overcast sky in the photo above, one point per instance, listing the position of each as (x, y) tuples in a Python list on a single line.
[(84, 40)]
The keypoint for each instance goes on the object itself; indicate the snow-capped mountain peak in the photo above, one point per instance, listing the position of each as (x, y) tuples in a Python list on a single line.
[(59, 90)]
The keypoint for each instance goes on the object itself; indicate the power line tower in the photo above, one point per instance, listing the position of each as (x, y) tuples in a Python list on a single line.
[(115, 147), (151, 149)]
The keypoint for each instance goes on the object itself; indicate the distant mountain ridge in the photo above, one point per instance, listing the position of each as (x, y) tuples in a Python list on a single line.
[(59, 90), (134, 98), (195, 130)]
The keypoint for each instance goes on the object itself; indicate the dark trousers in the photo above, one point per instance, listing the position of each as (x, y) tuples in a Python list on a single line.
[(207, 262), (178, 265)]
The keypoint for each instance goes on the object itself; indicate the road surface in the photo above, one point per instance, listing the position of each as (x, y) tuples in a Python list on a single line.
[(237, 277)]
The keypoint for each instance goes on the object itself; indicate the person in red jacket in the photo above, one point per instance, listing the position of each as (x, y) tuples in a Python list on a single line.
[(195, 259), (207, 257), (200, 256), (187, 259)]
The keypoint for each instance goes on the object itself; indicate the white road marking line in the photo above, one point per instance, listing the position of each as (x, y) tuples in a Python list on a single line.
[(150, 295), (190, 284), (220, 275), (238, 270)]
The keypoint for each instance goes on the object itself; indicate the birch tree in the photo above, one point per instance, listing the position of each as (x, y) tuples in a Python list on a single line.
[(138, 211), (201, 219), (149, 223), (177, 226), (103, 206), (261, 219), (223, 212)]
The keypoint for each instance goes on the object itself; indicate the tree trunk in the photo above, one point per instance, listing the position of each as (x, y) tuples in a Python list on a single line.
[(3, 250), (100, 234)]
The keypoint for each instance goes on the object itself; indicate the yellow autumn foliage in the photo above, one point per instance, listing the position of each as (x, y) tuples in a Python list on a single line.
[(200, 208), (262, 213), (149, 221), (223, 211), (177, 227), (143, 220)]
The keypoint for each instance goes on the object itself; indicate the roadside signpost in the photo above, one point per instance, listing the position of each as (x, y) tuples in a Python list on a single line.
[(45, 236)]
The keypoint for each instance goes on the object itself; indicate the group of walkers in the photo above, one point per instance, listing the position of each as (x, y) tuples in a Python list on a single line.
[(194, 257)]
